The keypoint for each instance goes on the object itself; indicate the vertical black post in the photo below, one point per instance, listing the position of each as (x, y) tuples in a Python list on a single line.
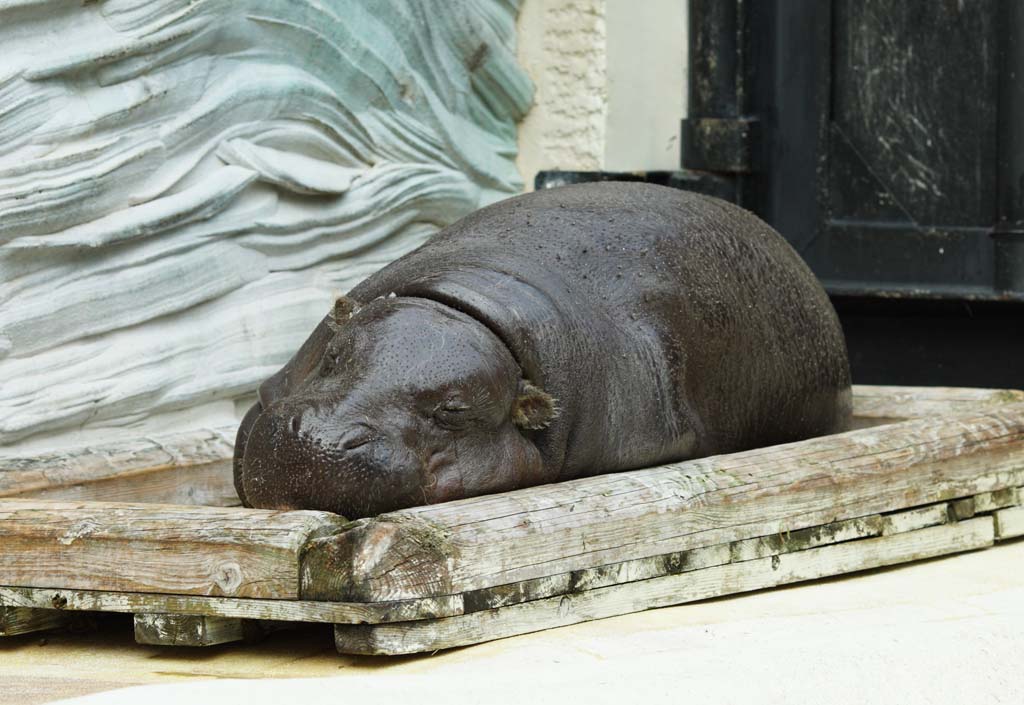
[(1008, 235), (719, 138), (714, 59), (790, 59)]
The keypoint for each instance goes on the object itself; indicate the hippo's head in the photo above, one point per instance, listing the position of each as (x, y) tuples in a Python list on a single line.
[(397, 403)]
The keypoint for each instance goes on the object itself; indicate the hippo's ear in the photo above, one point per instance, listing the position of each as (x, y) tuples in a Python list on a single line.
[(344, 307), (308, 357), (533, 408)]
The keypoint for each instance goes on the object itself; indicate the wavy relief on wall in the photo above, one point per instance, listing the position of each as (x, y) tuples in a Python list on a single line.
[(184, 185)]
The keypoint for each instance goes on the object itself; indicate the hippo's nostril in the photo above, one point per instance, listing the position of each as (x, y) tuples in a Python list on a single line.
[(293, 424)]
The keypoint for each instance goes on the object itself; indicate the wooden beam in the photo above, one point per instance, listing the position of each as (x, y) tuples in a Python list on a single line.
[(874, 405), (156, 548), (508, 538), (1009, 523), (707, 557), (835, 559), (24, 620), (190, 630), (241, 608), (180, 468)]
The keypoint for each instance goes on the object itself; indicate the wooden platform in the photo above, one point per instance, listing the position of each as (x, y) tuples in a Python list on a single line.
[(949, 479)]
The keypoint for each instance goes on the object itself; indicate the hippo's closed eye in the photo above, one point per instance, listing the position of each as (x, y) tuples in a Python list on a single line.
[(452, 413), (357, 437)]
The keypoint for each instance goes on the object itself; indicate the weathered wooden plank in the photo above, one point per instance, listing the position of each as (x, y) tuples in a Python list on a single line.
[(598, 576), (696, 559), (531, 534), (191, 630), (1000, 499), (156, 548), (181, 468), (874, 405), (247, 608), (24, 620), (961, 509), (1009, 523), (834, 559), (763, 546), (917, 518), (209, 484)]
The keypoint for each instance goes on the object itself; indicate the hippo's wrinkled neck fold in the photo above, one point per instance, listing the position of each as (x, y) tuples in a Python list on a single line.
[(529, 322), (528, 325), (535, 315), (506, 305)]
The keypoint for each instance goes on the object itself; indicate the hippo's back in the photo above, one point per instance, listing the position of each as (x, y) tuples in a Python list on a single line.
[(668, 324)]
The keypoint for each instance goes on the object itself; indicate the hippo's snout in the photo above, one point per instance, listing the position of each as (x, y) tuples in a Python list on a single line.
[(296, 457)]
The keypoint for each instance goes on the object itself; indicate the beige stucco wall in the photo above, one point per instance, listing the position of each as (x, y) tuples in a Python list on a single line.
[(561, 44), (609, 78)]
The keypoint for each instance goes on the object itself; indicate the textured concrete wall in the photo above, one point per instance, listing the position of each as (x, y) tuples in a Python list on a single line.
[(610, 84), (186, 184)]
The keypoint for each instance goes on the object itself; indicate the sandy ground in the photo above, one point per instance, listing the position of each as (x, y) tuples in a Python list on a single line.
[(944, 631)]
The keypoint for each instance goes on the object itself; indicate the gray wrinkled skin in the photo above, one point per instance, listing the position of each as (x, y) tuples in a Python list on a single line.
[(565, 333)]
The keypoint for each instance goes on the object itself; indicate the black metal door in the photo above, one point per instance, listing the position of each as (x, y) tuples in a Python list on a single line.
[(885, 140)]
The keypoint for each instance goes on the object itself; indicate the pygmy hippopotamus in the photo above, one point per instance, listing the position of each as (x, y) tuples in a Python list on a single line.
[(569, 332)]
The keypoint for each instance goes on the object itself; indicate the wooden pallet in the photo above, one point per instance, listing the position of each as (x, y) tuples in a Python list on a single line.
[(950, 479)]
